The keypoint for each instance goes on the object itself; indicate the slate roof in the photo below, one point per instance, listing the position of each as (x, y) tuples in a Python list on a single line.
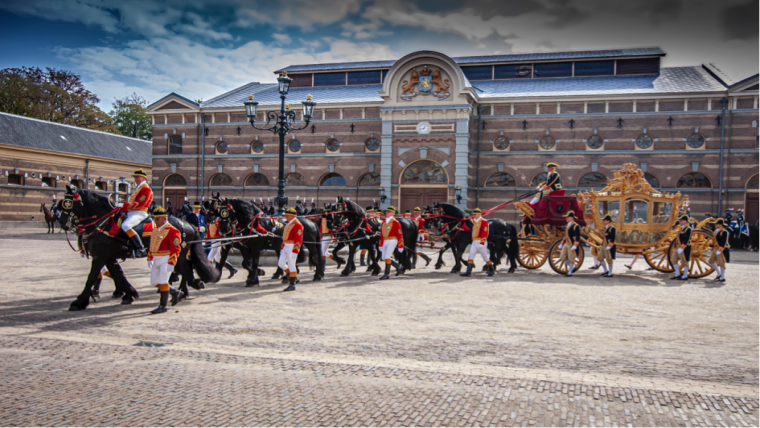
[(471, 60), (39, 134), (267, 94), (670, 80)]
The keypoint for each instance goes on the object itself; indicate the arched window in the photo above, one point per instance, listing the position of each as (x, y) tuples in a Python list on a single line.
[(753, 182), (294, 179), (501, 179), (332, 179), (220, 180), (540, 178), (257, 179), (652, 180), (175, 144), (424, 171), (694, 180), (175, 180), (594, 180), (369, 179)]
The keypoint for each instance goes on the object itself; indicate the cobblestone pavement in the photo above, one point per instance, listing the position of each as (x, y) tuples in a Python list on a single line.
[(427, 348)]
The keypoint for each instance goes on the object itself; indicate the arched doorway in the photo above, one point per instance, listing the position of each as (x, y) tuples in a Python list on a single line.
[(175, 191), (422, 183), (751, 200)]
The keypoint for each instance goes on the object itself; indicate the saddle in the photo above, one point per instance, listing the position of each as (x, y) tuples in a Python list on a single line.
[(144, 228)]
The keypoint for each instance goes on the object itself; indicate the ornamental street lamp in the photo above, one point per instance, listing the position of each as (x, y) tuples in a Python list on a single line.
[(284, 122)]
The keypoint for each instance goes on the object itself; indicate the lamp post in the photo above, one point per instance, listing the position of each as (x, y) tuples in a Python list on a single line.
[(283, 124), (383, 197)]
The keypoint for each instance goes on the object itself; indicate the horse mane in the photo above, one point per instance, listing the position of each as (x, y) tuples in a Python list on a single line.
[(242, 206), (452, 210), (94, 200), (354, 207)]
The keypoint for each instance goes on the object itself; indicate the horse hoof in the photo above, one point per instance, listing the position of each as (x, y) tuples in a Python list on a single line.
[(317, 278), (343, 274), (250, 285), (126, 301), (74, 307)]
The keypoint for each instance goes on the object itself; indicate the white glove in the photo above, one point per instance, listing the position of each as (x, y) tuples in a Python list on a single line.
[(717, 252), (560, 246), (608, 248), (400, 249), (150, 264), (679, 251), (574, 248), (540, 188), (203, 229)]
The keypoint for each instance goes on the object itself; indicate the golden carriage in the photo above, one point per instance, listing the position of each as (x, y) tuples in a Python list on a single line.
[(644, 217)]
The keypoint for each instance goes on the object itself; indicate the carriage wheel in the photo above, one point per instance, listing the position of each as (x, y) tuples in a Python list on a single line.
[(533, 253), (701, 246), (658, 258), (561, 268)]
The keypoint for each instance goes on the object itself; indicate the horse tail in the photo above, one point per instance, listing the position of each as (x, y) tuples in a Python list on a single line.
[(203, 268)]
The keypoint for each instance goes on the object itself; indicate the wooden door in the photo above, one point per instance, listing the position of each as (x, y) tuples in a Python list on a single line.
[(421, 197), (175, 196), (751, 208)]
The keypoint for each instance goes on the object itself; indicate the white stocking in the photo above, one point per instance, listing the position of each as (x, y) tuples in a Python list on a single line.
[(678, 271), (604, 266), (722, 273), (570, 265), (534, 201), (685, 273)]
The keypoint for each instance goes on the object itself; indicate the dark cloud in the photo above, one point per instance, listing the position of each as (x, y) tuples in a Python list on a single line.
[(664, 11), (485, 8), (740, 21)]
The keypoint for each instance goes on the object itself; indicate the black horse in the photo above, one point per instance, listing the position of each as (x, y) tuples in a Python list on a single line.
[(104, 241), (244, 218), (352, 229), (455, 226)]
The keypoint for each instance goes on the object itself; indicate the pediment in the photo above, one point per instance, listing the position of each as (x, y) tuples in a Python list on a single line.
[(173, 102)]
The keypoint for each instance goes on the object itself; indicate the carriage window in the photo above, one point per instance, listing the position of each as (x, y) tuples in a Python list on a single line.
[(610, 207), (501, 179), (15, 179), (370, 179), (636, 211), (257, 179), (424, 172), (295, 179), (220, 180), (661, 212)]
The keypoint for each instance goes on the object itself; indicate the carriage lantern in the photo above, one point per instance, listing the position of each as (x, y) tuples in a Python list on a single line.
[(458, 194), (383, 197)]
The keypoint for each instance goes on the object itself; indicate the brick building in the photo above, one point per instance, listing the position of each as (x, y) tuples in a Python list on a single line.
[(39, 158), (472, 130)]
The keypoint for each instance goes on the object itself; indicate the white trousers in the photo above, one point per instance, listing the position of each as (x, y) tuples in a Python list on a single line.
[(325, 245), (133, 219), (215, 253), (161, 270), (388, 246), (287, 258), (477, 248)]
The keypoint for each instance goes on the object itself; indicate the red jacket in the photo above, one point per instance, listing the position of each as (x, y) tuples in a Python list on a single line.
[(140, 199), (323, 229), (480, 230), (391, 230), (165, 241), (293, 234), (213, 230)]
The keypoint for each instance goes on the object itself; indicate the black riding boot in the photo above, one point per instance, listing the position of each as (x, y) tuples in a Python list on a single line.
[(292, 284), (399, 267), (469, 270), (177, 295), (387, 272), (424, 257), (491, 269), (230, 268), (361, 260), (162, 303), (139, 250)]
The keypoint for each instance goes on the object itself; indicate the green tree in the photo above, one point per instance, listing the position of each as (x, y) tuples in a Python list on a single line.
[(129, 116), (53, 95)]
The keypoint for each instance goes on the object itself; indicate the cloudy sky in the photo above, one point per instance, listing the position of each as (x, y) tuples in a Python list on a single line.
[(201, 48)]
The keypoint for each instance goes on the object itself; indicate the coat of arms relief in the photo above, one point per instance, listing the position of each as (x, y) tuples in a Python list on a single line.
[(425, 82)]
